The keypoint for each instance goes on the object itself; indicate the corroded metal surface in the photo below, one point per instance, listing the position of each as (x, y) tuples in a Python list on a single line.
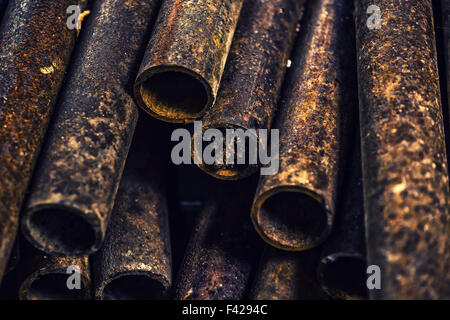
[(294, 209), (76, 182), (35, 46), (135, 260), (342, 268), (253, 74), (45, 277), (405, 172), (185, 59), (223, 249), (287, 276)]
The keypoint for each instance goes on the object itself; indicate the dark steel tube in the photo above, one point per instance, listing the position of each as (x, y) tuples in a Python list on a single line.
[(286, 275), (135, 261), (185, 59), (253, 74), (223, 249), (77, 180), (35, 47), (45, 277), (294, 209), (405, 173), (342, 267)]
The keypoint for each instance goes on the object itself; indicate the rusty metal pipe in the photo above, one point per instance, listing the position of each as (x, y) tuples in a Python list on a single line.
[(45, 277), (35, 47), (185, 59), (405, 173), (253, 74), (223, 249), (294, 209), (342, 267), (77, 180), (135, 261), (286, 275)]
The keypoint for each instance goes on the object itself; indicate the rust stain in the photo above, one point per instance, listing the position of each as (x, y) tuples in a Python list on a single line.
[(342, 267), (135, 261), (287, 276), (44, 277), (76, 182), (223, 248), (185, 59), (253, 74), (405, 172), (295, 208), (35, 48)]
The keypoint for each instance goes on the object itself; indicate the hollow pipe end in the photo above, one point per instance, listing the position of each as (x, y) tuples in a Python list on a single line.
[(133, 285), (342, 275), (62, 230), (275, 221), (228, 173), (48, 284), (224, 171), (173, 93)]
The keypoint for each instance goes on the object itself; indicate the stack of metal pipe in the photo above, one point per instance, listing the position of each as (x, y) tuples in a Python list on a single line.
[(95, 202)]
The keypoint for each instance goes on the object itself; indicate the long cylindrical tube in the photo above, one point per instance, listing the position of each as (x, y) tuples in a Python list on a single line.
[(223, 249), (253, 75), (294, 209), (35, 47), (185, 59), (405, 173), (286, 275), (77, 180), (135, 260), (47, 277), (342, 267)]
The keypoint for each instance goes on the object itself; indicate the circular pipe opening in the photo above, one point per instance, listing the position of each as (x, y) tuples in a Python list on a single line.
[(53, 287), (228, 171), (174, 95), (60, 231), (344, 276), (292, 220), (133, 287)]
